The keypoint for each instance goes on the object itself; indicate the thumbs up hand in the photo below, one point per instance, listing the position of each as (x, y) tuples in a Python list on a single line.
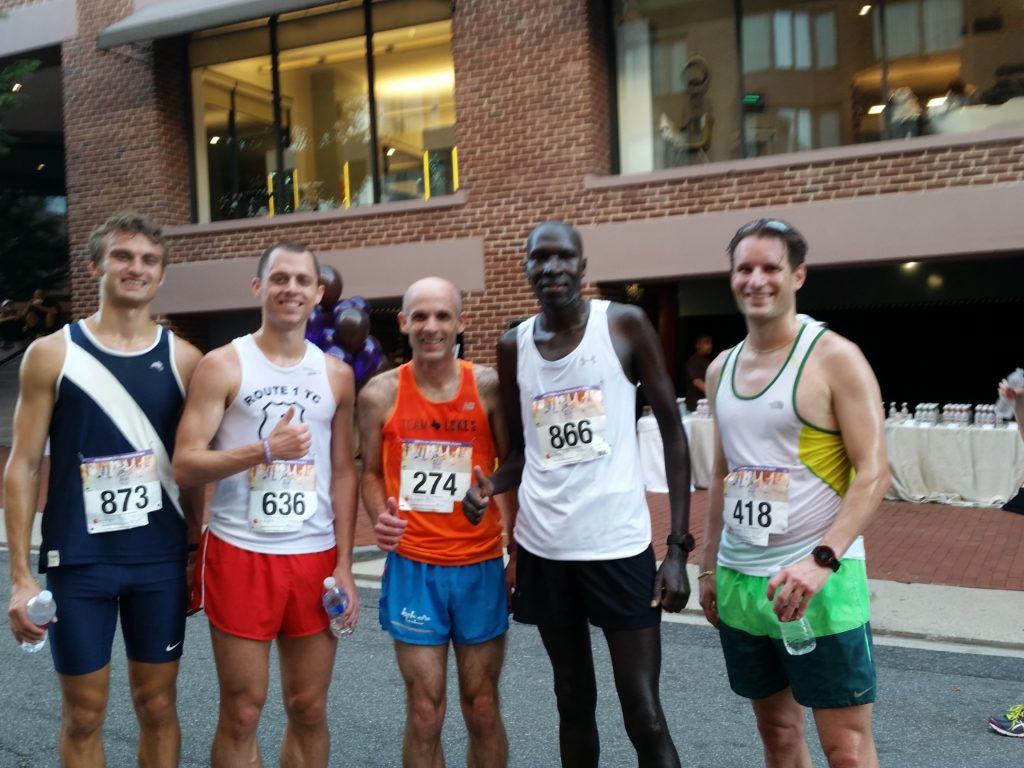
[(478, 497), (389, 526), (287, 440)]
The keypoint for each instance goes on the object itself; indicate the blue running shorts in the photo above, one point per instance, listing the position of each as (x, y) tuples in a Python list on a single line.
[(425, 604), (151, 599)]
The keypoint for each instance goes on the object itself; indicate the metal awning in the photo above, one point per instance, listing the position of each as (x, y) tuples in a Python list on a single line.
[(180, 17)]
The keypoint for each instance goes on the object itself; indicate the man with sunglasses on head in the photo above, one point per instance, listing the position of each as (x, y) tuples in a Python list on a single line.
[(800, 467)]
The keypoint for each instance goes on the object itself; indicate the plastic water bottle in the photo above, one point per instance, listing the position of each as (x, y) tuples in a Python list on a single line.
[(335, 602), (1004, 407), (797, 636), (41, 610)]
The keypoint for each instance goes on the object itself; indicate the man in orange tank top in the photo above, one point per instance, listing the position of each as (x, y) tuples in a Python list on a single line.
[(423, 428)]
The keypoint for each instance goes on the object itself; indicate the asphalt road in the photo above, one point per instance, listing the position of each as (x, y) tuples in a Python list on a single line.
[(931, 711)]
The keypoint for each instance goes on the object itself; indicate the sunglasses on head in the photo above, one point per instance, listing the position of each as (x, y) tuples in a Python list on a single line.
[(772, 225)]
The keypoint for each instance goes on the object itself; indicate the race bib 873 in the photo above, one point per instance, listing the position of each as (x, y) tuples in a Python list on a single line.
[(120, 491)]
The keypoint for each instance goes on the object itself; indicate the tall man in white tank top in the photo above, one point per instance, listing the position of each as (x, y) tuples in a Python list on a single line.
[(582, 537), (799, 469), (269, 419)]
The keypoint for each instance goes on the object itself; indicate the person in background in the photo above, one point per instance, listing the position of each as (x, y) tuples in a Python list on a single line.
[(960, 93), (10, 324), (1012, 723), (696, 370)]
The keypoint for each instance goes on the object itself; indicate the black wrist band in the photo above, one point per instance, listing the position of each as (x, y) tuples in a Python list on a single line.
[(684, 541)]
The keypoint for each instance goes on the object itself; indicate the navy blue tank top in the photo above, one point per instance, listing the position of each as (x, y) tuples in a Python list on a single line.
[(111, 403)]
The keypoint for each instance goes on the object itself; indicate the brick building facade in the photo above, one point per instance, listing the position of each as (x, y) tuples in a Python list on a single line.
[(535, 106)]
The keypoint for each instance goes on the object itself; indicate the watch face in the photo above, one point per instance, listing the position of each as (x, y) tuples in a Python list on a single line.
[(825, 557)]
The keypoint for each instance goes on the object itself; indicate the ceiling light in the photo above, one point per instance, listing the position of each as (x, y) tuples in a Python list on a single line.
[(16, 87), (390, 151), (214, 139), (41, 166), (864, 10), (938, 101), (909, 266), (877, 109), (432, 82)]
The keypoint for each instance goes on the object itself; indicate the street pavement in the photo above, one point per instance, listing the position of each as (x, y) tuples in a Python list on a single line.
[(930, 714)]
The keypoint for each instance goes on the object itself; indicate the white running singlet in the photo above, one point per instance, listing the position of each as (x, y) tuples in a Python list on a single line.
[(266, 393), (786, 476), (581, 497)]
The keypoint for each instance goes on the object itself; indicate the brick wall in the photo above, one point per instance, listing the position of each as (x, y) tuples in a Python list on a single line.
[(7, 5), (532, 104), (124, 134)]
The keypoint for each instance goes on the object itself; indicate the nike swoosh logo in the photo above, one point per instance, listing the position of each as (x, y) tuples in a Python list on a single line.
[(858, 694), (170, 648)]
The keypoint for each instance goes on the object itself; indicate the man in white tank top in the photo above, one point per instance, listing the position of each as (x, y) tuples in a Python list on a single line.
[(269, 419), (800, 467), (582, 538)]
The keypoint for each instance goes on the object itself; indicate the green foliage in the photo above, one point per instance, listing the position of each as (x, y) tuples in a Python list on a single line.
[(33, 250), (18, 72)]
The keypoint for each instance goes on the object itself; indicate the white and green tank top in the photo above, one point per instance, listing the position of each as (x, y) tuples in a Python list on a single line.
[(786, 476)]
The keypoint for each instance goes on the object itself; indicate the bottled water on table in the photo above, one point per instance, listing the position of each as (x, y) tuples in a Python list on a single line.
[(798, 636), (335, 602), (41, 610)]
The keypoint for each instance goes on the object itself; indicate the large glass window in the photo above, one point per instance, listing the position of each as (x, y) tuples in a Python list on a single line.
[(306, 111), (699, 81)]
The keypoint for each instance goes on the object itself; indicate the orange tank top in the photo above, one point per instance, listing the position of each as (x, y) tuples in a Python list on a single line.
[(427, 450)]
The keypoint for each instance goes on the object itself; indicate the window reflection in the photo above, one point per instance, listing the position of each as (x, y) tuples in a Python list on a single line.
[(315, 147), (415, 89), (698, 81)]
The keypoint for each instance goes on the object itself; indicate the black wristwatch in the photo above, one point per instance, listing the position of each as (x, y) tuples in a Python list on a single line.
[(684, 542), (826, 557)]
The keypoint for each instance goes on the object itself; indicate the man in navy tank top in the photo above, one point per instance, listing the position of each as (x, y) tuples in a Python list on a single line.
[(107, 391), (269, 420), (582, 535), (800, 467)]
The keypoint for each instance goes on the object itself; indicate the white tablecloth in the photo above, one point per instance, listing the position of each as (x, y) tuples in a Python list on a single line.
[(966, 466), (700, 435)]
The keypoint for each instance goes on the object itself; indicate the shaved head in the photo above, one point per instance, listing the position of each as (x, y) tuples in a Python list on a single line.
[(556, 227), (432, 286)]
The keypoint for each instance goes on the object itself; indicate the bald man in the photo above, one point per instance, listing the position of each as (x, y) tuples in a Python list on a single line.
[(424, 427)]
